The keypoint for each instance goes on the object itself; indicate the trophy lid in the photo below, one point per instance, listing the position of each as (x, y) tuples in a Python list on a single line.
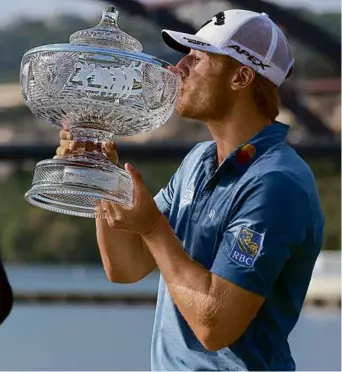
[(107, 34)]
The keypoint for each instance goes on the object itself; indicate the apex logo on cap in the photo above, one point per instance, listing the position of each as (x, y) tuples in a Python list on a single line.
[(255, 60)]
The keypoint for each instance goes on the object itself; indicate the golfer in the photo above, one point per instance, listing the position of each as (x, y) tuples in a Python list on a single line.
[(237, 230)]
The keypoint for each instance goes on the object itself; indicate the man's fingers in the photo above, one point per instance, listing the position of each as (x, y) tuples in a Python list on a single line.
[(110, 151), (71, 145), (109, 146), (61, 151), (113, 217), (65, 135), (135, 174), (109, 213), (138, 182), (68, 148)]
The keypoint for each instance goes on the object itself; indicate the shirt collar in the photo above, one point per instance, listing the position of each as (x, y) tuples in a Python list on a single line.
[(245, 154)]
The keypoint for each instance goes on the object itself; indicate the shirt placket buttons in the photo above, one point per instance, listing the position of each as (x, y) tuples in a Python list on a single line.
[(199, 205)]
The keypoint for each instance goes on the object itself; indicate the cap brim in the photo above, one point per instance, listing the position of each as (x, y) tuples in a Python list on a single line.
[(183, 43)]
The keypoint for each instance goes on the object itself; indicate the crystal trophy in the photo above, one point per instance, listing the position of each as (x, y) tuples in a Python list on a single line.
[(99, 86)]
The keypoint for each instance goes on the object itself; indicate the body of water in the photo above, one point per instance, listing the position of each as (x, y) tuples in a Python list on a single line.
[(69, 337)]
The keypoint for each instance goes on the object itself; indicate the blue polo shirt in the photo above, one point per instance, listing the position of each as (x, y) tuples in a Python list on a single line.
[(255, 220)]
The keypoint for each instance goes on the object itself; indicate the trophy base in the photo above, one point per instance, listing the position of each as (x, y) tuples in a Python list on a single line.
[(76, 187)]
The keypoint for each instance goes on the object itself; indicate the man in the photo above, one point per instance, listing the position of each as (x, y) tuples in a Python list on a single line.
[(237, 230), (6, 295)]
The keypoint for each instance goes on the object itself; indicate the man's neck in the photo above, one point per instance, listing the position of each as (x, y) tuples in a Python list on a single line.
[(235, 130)]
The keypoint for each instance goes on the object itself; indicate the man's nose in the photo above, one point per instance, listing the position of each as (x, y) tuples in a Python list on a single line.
[(183, 67)]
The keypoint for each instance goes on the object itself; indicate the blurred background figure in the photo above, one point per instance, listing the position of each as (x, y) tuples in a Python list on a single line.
[(6, 295), (66, 315)]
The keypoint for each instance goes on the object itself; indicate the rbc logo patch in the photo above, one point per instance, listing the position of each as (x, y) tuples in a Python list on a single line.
[(246, 247)]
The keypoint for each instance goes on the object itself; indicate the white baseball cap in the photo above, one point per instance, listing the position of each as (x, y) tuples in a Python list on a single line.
[(251, 38)]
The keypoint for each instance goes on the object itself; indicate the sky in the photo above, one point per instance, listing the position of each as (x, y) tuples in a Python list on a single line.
[(36, 8)]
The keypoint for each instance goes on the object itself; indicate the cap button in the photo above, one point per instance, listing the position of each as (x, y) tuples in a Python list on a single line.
[(265, 15)]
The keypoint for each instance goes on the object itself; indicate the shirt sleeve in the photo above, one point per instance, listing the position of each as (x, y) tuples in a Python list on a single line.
[(164, 197), (269, 222)]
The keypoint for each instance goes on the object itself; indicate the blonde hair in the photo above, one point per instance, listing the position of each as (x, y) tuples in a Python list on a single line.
[(266, 97), (264, 93)]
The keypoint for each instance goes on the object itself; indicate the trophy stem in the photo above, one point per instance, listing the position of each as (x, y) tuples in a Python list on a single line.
[(89, 144), (84, 133)]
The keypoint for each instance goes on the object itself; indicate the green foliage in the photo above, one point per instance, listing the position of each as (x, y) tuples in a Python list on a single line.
[(328, 178), (29, 234)]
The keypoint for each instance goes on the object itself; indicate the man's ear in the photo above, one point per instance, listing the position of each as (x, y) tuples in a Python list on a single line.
[(242, 78)]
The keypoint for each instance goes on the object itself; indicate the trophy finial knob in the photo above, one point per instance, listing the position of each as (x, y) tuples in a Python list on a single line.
[(107, 34), (110, 15)]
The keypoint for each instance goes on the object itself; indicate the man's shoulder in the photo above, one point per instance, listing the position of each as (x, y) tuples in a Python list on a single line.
[(283, 166), (285, 177)]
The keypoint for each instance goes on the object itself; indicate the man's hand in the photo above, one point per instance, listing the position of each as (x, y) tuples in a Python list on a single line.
[(68, 147), (142, 217)]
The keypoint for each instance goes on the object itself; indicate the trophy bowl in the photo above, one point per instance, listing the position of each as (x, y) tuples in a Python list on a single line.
[(98, 87)]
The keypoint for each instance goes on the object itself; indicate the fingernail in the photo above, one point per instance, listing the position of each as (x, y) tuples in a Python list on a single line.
[(69, 136)]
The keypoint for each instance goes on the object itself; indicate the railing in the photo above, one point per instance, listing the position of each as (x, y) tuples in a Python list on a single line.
[(165, 150), (324, 290)]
